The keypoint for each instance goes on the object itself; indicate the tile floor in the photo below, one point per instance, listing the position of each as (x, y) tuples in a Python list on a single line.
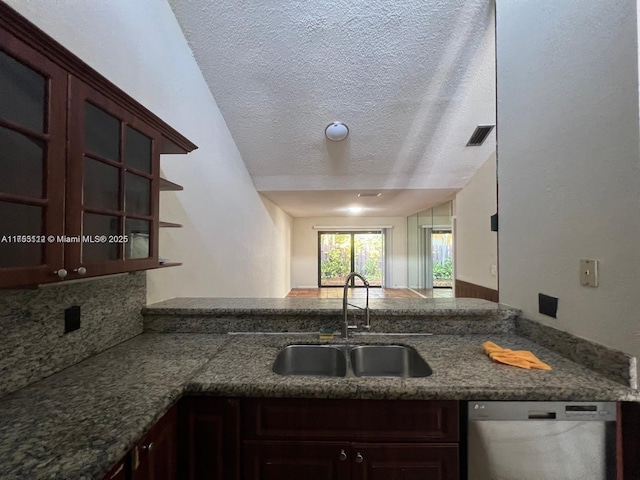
[(373, 293)]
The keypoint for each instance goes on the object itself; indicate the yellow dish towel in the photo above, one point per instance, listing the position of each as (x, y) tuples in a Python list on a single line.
[(517, 358)]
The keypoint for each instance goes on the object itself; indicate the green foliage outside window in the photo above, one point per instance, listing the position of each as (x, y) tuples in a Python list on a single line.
[(336, 264), (443, 271)]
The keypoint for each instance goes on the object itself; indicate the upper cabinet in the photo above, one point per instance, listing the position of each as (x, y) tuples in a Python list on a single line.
[(79, 165)]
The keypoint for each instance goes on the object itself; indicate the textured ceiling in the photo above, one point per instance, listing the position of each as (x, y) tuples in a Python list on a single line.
[(411, 79)]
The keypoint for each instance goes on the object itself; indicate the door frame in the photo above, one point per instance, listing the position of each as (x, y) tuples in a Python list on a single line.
[(352, 266)]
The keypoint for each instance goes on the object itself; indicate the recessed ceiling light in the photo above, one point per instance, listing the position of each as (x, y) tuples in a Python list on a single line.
[(336, 131), (373, 194), (355, 209)]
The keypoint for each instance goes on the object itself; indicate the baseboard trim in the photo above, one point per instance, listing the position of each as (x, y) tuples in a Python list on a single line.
[(471, 290)]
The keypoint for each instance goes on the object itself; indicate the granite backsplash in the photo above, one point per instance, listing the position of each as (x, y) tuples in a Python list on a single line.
[(33, 344)]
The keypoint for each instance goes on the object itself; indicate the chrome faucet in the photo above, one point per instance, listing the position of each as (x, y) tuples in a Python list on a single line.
[(345, 319)]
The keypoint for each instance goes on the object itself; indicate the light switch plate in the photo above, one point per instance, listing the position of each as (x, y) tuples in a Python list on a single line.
[(589, 273)]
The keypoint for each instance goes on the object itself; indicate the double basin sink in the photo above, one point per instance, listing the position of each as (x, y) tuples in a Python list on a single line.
[(351, 360)]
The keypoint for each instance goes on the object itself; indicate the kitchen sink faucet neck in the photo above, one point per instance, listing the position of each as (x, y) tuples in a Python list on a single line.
[(345, 319)]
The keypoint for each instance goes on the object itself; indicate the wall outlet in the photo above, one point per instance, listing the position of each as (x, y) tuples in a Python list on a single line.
[(547, 305), (589, 273), (71, 319), (493, 270)]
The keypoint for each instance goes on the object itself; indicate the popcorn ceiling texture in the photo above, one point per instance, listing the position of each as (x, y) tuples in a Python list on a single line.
[(410, 78), (33, 344)]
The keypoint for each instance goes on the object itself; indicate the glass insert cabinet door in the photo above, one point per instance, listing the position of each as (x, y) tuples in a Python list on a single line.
[(113, 172), (32, 163)]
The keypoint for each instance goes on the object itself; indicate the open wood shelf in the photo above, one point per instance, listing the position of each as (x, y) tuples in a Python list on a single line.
[(162, 224), (169, 264), (167, 186)]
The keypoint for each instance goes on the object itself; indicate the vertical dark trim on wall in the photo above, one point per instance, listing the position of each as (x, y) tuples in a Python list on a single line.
[(497, 129), (471, 290), (628, 441)]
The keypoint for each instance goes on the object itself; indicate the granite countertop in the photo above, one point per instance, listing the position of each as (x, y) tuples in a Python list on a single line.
[(80, 422), (326, 306), (461, 371)]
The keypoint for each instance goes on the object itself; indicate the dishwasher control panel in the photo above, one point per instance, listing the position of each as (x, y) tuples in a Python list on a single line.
[(583, 411)]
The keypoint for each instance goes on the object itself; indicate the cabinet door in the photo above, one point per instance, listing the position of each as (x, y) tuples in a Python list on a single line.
[(32, 159), (155, 456), (112, 191), (209, 438), (119, 472), (404, 462), (295, 460)]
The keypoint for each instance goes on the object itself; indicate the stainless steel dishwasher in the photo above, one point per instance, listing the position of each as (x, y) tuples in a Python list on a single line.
[(541, 440)]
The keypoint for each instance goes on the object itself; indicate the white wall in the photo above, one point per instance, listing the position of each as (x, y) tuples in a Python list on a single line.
[(476, 244), (233, 243), (568, 163), (304, 256)]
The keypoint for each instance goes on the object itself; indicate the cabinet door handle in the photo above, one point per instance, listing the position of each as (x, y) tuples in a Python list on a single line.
[(147, 448), (80, 270), (61, 273), (359, 458), (342, 456)]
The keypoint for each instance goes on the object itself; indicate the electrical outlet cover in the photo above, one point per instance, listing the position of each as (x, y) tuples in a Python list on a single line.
[(589, 273), (71, 319)]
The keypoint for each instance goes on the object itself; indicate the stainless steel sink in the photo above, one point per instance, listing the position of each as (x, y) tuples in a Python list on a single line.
[(351, 360), (319, 360), (387, 361)]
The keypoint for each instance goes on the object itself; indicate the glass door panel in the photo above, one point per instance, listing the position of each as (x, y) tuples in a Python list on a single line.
[(101, 186), (138, 150), (335, 258), (138, 239), (340, 253), (138, 194), (23, 96), (101, 229), (368, 257), (102, 133), (32, 156), (442, 259), (22, 163), (18, 222)]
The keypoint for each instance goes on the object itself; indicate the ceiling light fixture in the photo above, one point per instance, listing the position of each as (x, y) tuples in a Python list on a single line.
[(355, 210), (369, 194), (336, 131)]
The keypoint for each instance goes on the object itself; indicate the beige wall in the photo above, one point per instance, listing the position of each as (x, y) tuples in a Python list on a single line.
[(304, 259), (233, 242), (476, 245), (568, 168)]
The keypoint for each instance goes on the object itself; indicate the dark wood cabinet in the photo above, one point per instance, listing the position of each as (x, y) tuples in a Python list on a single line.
[(404, 461), (80, 163), (271, 460), (209, 438), (350, 439), (32, 162), (274, 460), (363, 420), (155, 456), (113, 176), (120, 471)]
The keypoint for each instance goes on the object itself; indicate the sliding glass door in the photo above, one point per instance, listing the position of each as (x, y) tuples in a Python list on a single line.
[(340, 253), (442, 258)]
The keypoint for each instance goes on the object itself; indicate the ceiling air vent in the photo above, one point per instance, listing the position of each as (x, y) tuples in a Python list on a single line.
[(480, 135), (369, 194)]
